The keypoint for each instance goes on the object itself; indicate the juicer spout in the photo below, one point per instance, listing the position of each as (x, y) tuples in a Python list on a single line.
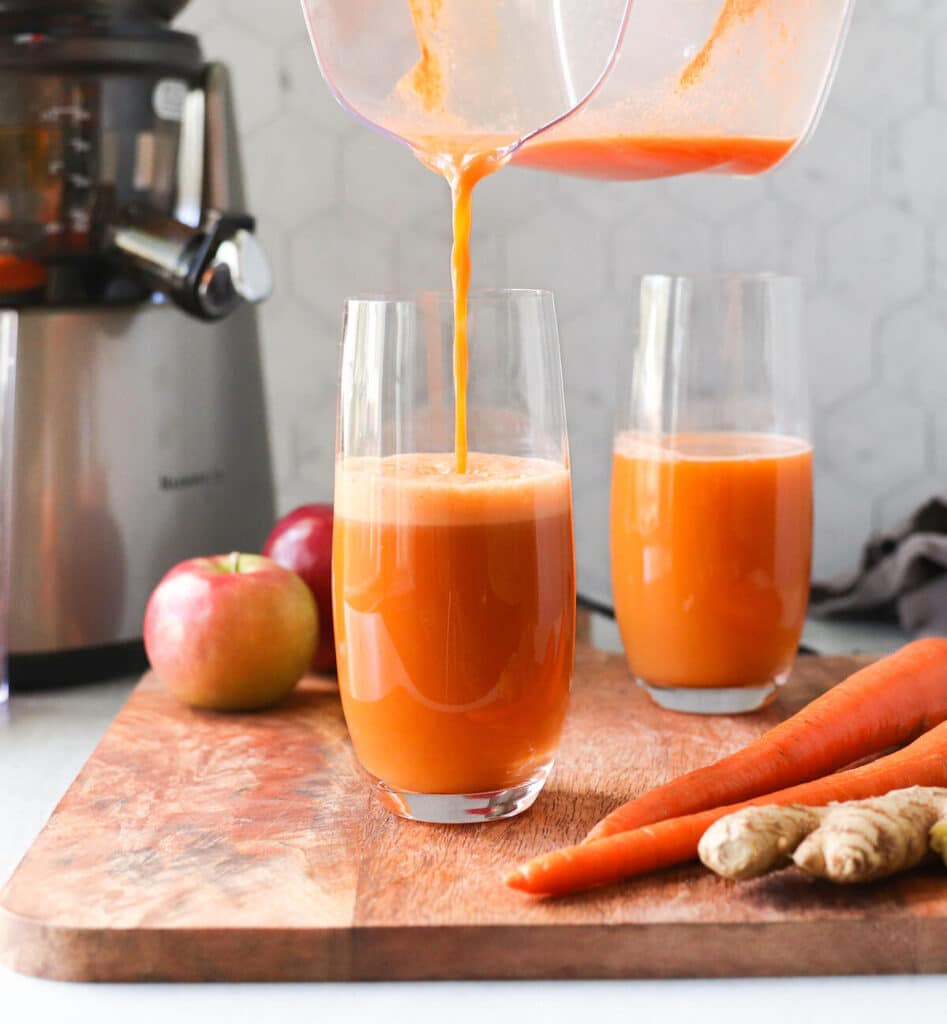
[(207, 271), (206, 257)]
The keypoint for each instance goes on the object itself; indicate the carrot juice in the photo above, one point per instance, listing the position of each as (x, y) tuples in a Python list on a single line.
[(645, 157), (710, 549), (454, 609)]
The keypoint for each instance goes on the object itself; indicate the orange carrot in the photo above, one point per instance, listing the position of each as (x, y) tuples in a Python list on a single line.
[(674, 841), (882, 706)]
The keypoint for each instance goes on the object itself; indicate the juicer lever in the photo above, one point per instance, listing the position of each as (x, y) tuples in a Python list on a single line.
[(207, 271)]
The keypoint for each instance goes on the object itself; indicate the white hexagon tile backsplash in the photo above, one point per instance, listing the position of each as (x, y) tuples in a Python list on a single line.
[(860, 213)]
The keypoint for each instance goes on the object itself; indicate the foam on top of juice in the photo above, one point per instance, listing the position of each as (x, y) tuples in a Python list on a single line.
[(422, 488), (709, 446)]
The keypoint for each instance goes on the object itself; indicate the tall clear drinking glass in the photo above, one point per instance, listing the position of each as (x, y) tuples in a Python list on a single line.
[(453, 593), (711, 506)]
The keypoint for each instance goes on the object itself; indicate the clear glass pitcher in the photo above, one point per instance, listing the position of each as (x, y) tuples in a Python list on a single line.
[(728, 86), (617, 88)]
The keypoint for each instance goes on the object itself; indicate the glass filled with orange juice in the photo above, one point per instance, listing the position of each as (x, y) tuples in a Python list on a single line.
[(453, 574), (711, 503)]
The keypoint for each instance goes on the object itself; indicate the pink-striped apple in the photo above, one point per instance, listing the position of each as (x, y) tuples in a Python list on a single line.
[(230, 632)]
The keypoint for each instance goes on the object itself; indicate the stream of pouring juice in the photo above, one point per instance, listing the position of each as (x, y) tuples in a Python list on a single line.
[(454, 599), (462, 165)]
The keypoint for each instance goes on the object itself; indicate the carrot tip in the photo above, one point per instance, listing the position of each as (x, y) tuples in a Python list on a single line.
[(518, 879)]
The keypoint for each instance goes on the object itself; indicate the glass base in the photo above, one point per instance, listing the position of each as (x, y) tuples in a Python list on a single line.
[(729, 700), (461, 808)]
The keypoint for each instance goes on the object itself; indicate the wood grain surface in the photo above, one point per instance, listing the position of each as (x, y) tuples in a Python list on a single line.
[(195, 846)]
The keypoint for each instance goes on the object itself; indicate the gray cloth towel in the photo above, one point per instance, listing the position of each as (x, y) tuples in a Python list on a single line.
[(903, 574)]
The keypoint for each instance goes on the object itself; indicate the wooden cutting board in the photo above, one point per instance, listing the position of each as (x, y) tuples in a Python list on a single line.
[(196, 846)]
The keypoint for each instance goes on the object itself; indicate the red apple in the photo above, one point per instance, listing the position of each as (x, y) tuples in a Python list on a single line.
[(230, 632), (302, 541)]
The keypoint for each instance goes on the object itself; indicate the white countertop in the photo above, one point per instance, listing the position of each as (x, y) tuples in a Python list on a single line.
[(44, 741)]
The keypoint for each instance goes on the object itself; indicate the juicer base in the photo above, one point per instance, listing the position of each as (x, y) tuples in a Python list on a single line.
[(53, 670)]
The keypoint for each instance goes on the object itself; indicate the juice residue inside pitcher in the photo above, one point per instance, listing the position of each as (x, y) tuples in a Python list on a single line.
[(732, 12)]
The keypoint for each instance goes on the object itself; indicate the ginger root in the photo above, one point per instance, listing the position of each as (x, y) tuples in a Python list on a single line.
[(756, 840), (858, 841)]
